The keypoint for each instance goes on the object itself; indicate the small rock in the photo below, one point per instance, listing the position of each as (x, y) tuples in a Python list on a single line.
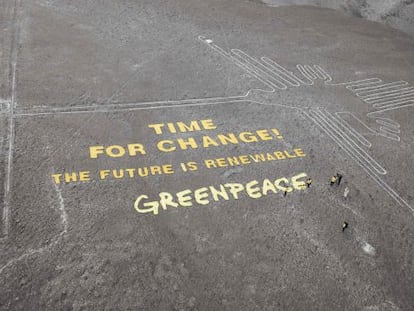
[(191, 302), (23, 282), (368, 248), (346, 192), (232, 171)]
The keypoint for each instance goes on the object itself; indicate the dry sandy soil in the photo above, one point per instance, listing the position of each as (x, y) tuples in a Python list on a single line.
[(395, 13), (153, 155)]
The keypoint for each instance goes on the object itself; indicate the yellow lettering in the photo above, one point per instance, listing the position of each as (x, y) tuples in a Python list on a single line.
[(84, 176), (200, 196), (184, 198), (118, 173), (70, 177), (171, 127), (221, 162), (194, 126), (247, 137), (299, 152), (161, 146), (103, 174), (289, 156), (207, 141), (268, 186), (230, 138), (168, 169), (143, 171), (95, 150), (216, 193), (208, 124), (166, 199), (252, 190), (244, 159), (56, 178), (210, 163), (264, 135), (133, 149), (131, 172), (299, 184), (155, 170), (157, 128), (285, 187), (192, 166), (153, 206), (119, 153), (187, 143), (257, 157), (234, 189), (277, 133), (233, 161), (279, 155)]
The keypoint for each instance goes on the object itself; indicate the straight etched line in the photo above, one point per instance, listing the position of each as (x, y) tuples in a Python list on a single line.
[(11, 128), (108, 107), (103, 110), (352, 131), (368, 170), (9, 167), (360, 153)]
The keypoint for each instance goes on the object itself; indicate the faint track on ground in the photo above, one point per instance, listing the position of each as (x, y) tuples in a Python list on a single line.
[(11, 121), (54, 241)]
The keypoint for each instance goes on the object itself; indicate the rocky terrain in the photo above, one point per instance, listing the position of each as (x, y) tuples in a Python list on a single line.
[(395, 13)]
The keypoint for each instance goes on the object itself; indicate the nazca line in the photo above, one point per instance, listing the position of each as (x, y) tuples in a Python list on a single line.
[(276, 77), (270, 73), (329, 124), (382, 97), (11, 121)]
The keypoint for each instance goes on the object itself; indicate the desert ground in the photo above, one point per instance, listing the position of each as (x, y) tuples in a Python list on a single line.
[(178, 155)]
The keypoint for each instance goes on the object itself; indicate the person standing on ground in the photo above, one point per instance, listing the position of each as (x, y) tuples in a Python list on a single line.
[(339, 178)]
